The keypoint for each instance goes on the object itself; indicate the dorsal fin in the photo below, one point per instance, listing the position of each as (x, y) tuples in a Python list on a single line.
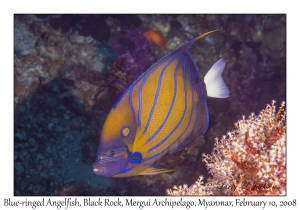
[(189, 43)]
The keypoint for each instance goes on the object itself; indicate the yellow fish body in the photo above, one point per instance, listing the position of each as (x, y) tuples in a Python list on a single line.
[(163, 111)]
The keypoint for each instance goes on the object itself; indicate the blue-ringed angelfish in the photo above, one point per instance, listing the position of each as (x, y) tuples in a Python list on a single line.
[(163, 111)]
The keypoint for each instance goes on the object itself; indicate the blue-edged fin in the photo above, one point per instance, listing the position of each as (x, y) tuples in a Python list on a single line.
[(155, 171), (215, 85)]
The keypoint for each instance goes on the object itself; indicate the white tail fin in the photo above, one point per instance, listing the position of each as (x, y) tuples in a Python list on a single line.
[(215, 85)]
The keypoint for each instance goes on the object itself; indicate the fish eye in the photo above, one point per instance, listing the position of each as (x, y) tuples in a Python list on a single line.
[(111, 153)]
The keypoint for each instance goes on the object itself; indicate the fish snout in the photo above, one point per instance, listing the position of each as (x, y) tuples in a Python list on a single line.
[(98, 169), (109, 168)]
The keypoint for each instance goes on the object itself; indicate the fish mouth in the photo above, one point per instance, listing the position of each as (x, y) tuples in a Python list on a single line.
[(109, 168), (98, 169)]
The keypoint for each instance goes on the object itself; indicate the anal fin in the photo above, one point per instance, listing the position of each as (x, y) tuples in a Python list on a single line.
[(155, 171)]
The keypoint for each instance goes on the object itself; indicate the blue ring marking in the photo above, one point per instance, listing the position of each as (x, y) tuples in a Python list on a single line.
[(126, 126), (171, 108)]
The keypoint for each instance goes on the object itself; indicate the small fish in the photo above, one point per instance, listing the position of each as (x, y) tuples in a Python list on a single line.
[(162, 112), (156, 37)]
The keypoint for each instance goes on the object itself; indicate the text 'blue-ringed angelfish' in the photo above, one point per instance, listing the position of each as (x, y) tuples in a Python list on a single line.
[(163, 111)]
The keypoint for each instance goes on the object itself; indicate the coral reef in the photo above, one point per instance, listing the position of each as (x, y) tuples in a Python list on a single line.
[(250, 160), (43, 54), (104, 48), (133, 50)]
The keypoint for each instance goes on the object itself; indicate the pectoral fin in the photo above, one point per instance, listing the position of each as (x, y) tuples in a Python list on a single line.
[(155, 171)]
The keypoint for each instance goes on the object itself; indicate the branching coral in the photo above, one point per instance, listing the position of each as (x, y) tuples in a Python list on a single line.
[(250, 160)]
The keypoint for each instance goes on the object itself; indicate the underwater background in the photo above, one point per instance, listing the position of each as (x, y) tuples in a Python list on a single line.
[(69, 70)]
